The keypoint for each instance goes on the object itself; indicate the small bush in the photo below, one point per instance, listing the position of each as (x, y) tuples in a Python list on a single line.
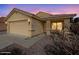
[(16, 51), (68, 45), (75, 28)]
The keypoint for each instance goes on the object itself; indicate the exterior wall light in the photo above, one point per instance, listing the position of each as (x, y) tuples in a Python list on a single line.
[(5, 22), (29, 21)]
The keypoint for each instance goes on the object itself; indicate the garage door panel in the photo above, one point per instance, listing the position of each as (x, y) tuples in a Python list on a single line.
[(20, 27)]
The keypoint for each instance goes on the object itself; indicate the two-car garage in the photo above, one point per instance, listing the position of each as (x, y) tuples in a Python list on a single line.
[(18, 27), (23, 23), (17, 23)]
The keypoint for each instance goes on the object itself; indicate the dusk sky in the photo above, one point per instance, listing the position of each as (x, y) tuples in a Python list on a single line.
[(34, 8)]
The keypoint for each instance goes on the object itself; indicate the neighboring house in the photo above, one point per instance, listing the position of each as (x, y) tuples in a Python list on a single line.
[(3, 26), (28, 24)]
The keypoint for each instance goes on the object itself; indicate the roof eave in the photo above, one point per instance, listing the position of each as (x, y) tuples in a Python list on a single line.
[(60, 17), (23, 12)]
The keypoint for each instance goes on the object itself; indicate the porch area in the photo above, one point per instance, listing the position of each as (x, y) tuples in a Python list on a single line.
[(57, 25)]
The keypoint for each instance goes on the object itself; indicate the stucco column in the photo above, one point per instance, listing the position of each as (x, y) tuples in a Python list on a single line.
[(48, 27), (66, 25), (8, 27)]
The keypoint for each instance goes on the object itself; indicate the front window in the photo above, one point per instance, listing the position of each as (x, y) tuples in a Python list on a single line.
[(57, 26)]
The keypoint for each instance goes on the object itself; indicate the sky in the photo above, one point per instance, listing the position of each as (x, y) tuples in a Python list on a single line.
[(35, 8)]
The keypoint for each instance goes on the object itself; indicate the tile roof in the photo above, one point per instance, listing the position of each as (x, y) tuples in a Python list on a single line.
[(41, 16), (47, 16), (44, 14), (23, 12)]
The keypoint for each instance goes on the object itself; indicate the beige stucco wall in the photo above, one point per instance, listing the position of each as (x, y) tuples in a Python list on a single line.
[(44, 27), (37, 27), (48, 27), (17, 16), (18, 24)]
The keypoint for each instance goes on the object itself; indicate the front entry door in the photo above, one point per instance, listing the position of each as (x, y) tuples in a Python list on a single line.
[(57, 26)]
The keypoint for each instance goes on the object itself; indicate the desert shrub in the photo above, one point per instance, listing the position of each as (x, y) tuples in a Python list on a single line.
[(61, 45), (75, 28), (16, 51)]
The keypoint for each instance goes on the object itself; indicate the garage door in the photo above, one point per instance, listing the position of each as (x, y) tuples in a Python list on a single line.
[(19, 27)]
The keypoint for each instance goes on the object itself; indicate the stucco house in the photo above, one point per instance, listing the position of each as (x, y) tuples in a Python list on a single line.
[(22, 24), (28, 24)]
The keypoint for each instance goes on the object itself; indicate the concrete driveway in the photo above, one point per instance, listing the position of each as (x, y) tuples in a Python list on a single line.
[(7, 39)]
